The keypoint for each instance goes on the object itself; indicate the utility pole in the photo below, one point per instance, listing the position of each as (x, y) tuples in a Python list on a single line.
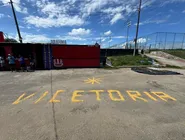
[(109, 41), (128, 25), (137, 28), (16, 23)]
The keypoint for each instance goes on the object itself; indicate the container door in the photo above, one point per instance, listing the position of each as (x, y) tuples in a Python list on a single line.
[(47, 54)]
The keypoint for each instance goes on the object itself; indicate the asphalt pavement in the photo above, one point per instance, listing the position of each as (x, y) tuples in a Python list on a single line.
[(91, 104)]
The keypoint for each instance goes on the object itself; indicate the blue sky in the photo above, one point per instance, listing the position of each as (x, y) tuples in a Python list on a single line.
[(88, 21)]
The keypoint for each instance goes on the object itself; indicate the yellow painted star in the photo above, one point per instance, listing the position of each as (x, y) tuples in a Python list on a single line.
[(93, 81)]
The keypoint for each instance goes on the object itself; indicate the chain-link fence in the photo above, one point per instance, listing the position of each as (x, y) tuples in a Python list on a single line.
[(159, 40), (162, 40)]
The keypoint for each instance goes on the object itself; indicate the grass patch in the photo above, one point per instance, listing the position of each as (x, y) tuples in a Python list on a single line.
[(178, 53), (129, 60)]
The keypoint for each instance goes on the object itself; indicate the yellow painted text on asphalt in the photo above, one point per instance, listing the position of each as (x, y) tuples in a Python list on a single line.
[(113, 95)]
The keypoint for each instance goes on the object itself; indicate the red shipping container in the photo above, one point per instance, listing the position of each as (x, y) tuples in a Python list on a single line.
[(76, 52), (1, 37), (67, 63), (76, 56), (17, 63), (8, 50)]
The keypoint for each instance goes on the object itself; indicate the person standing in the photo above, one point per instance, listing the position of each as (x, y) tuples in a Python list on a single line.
[(2, 63), (22, 62), (11, 62), (32, 64)]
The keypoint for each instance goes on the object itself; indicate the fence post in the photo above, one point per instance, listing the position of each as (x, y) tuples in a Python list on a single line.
[(165, 41), (156, 40), (174, 41), (150, 48), (183, 41), (146, 42)]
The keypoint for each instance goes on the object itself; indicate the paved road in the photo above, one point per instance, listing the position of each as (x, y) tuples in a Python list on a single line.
[(88, 104)]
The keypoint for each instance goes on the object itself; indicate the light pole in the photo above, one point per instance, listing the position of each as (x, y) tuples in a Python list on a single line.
[(128, 25), (16, 23)]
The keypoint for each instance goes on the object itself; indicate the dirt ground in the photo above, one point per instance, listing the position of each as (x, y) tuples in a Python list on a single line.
[(167, 59), (91, 104)]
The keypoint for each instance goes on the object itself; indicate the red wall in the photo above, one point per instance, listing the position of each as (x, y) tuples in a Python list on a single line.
[(76, 52), (1, 37), (81, 62), (8, 50), (17, 63), (77, 56)]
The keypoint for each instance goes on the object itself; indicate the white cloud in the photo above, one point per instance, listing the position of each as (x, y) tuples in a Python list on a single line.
[(22, 27), (61, 20), (42, 38), (53, 14), (147, 3), (77, 12), (118, 13), (157, 21), (91, 6), (119, 37), (171, 1), (20, 9), (104, 39), (1, 15), (52, 9), (17, 5), (28, 27), (129, 9), (110, 40), (5, 2), (80, 32), (112, 10), (108, 33), (116, 18), (174, 23), (50, 13), (36, 38), (32, 38), (72, 38), (141, 40)]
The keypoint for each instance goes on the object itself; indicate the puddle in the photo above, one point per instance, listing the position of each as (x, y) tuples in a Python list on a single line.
[(154, 71)]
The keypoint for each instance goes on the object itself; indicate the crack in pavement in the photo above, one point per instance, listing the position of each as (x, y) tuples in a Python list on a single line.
[(53, 110)]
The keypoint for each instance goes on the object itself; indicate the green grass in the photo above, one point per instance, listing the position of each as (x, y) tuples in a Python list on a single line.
[(178, 53), (129, 60)]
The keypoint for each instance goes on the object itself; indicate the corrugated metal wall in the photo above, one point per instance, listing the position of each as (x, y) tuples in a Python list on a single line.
[(76, 56)]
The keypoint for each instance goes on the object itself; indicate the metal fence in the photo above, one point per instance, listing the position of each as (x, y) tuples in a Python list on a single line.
[(162, 40), (159, 40)]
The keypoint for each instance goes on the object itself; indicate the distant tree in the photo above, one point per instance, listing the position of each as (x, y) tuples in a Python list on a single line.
[(11, 40)]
